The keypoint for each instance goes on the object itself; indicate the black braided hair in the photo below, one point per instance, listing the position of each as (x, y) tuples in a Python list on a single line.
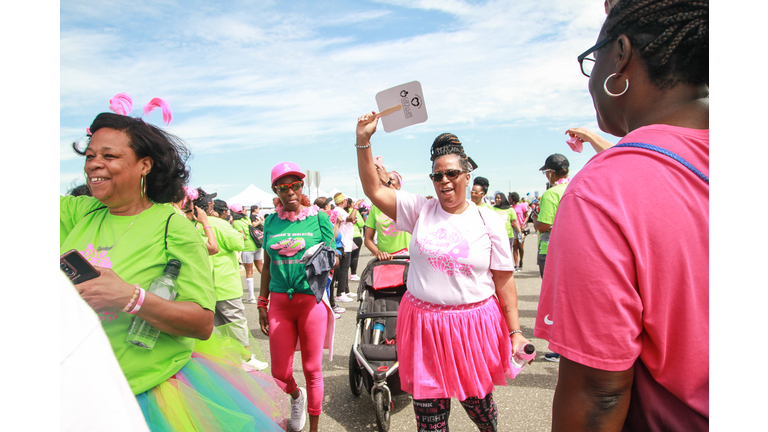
[(446, 144), (483, 183), (672, 37)]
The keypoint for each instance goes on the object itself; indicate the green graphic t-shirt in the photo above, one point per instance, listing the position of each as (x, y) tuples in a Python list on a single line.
[(388, 239), (138, 257), (357, 228), (285, 243)]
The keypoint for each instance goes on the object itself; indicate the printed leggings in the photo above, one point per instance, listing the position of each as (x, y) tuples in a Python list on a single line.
[(305, 320), (432, 414)]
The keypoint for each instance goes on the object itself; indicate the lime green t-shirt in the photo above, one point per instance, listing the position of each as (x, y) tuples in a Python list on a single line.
[(226, 270), (285, 243), (357, 227), (138, 257), (486, 205), (241, 225), (550, 201), (507, 215), (388, 239)]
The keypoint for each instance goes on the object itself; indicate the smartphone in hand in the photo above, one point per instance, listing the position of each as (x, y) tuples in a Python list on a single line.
[(76, 267), (379, 160)]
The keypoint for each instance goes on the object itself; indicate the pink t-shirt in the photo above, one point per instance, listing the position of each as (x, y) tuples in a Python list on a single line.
[(452, 255), (627, 286), (520, 210)]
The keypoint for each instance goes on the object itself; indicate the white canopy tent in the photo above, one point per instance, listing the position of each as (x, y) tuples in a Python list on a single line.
[(252, 196)]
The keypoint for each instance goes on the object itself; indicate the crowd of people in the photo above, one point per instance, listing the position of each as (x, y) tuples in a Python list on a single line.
[(624, 303)]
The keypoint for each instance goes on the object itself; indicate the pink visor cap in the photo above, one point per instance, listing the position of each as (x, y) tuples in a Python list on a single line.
[(237, 208), (286, 168)]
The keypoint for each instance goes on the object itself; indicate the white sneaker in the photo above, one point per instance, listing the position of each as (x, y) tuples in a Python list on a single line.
[(299, 410), (256, 363), (343, 299), (351, 294), (336, 316), (354, 278)]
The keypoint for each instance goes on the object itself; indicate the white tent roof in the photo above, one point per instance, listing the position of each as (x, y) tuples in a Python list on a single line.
[(252, 196)]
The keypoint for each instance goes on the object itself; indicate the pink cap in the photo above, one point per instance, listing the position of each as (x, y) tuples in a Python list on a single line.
[(286, 168), (237, 208)]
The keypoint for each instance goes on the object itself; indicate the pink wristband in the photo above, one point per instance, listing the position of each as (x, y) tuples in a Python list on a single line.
[(206, 226), (139, 302)]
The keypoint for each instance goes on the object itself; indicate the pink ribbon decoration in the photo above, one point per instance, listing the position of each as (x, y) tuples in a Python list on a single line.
[(163, 105), (575, 143), (121, 104)]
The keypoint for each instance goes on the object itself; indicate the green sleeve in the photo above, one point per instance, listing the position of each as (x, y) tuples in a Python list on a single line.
[(548, 207), (326, 230), (195, 282), (372, 215), (227, 237), (71, 210)]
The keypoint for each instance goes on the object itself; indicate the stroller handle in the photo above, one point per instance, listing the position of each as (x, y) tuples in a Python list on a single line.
[(394, 257)]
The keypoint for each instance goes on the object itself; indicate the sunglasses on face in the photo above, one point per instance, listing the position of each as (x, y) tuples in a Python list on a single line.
[(451, 174), (296, 186)]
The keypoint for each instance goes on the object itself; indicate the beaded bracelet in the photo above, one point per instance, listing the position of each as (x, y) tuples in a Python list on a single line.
[(515, 331), (135, 295), (139, 303), (363, 147)]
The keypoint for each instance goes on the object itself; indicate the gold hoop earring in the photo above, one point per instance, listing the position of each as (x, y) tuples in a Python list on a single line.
[(143, 185), (608, 92)]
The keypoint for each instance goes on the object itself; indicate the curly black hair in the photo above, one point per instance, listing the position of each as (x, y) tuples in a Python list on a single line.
[(671, 36), (482, 182), (169, 173)]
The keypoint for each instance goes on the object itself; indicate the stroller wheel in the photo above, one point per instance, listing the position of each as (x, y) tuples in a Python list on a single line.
[(355, 375), (382, 412)]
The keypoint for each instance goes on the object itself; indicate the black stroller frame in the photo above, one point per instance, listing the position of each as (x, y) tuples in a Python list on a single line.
[(375, 366)]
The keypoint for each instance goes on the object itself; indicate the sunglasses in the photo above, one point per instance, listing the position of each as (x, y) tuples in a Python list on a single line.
[(451, 174), (296, 186)]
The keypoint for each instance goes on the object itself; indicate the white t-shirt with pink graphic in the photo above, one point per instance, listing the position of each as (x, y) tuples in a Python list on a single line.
[(452, 255)]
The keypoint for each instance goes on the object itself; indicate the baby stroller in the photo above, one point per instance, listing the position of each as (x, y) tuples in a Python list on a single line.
[(373, 358)]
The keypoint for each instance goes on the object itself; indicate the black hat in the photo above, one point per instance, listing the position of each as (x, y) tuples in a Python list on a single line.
[(556, 162), (203, 198)]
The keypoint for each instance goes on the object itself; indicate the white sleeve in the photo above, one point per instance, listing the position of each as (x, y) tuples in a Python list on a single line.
[(501, 254), (409, 206)]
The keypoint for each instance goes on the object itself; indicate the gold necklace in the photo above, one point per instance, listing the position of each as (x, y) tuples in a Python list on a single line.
[(98, 235)]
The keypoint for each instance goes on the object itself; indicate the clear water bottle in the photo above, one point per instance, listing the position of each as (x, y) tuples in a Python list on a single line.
[(142, 333), (378, 332), (523, 355)]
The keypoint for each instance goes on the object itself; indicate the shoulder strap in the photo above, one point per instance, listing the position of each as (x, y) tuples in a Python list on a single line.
[(667, 153), (96, 209), (167, 222)]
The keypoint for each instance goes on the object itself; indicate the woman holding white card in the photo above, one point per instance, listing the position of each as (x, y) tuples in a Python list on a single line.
[(455, 341)]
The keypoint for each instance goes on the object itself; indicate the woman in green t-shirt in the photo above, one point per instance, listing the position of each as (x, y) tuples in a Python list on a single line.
[(132, 168), (389, 240), (288, 309), (507, 213)]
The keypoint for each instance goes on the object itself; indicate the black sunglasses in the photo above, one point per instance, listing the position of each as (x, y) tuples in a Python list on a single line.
[(586, 67), (451, 174)]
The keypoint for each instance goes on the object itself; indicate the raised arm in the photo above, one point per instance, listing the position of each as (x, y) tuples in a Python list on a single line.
[(382, 197), (598, 143)]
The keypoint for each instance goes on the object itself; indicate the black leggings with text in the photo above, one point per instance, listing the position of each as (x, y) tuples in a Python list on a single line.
[(432, 414)]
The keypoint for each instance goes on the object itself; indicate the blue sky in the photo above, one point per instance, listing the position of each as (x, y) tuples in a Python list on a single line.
[(251, 85)]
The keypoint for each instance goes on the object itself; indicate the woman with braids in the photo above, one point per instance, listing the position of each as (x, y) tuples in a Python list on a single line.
[(454, 337), (626, 302), (132, 169)]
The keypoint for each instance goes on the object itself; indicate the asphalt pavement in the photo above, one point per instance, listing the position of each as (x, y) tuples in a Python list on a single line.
[(524, 404)]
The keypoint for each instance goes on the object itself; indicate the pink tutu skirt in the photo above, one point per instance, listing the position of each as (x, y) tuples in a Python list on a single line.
[(448, 351)]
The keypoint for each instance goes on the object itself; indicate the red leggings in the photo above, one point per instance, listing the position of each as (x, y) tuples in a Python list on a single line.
[(304, 320)]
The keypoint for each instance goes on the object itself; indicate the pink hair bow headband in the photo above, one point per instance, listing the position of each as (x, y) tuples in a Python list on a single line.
[(122, 104)]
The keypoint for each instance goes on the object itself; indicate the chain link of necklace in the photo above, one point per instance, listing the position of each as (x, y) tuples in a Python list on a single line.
[(98, 235)]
